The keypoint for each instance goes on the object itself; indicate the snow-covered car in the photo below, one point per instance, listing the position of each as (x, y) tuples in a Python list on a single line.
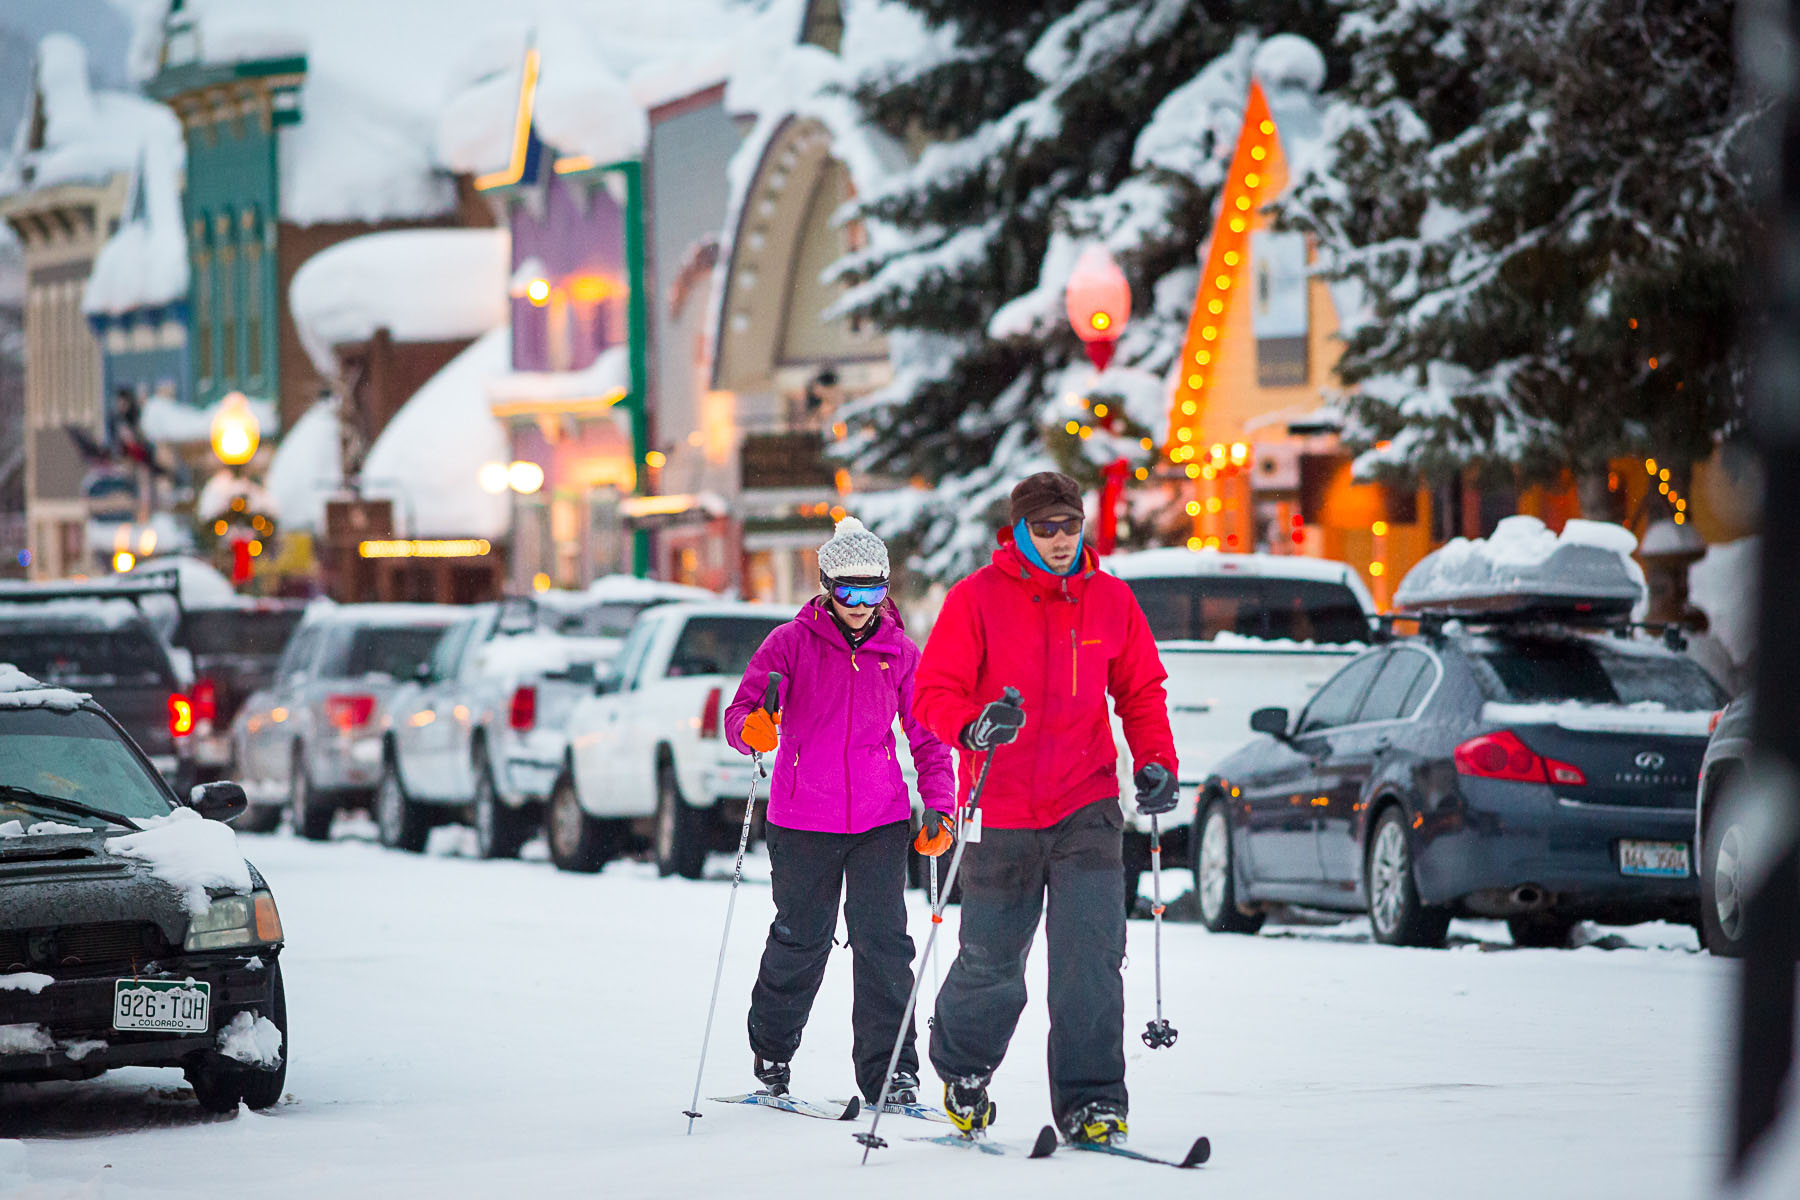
[(1236, 632), (311, 740), (646, 757), (132, 930), (478, 734), (1526, 755)]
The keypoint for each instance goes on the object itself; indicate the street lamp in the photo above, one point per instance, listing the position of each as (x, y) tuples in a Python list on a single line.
[(1098, 300), (235, 431)]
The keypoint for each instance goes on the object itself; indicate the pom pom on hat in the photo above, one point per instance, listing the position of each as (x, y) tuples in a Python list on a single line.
[(853, 553)]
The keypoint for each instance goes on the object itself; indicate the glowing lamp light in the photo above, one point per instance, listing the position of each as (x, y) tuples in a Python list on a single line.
[(538, 292), (235, 430), (494, 478), (655, 458), (123, 561), (540, 582), (525, 477), (1098, 302)]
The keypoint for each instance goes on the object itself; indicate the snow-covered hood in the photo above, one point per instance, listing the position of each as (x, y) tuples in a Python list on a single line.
[(54, 879)]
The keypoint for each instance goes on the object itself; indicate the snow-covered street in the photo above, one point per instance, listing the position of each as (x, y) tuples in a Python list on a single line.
[(467, 1028)]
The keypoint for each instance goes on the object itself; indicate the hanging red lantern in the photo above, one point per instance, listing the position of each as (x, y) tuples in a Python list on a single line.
[(1098, 300)]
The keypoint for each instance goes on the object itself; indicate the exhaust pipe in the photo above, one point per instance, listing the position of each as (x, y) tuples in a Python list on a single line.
[(1528, 896)]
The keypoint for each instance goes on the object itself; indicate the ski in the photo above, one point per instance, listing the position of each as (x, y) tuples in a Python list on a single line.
[(923, 1112), (1198, 1153), (1043, 1147), (846, 1110)]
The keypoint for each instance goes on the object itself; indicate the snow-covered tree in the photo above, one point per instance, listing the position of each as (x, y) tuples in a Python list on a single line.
[(1538, 203), (1044, 125)]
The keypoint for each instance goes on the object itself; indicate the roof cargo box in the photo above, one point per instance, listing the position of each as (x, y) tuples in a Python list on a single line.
[(1526, 573)]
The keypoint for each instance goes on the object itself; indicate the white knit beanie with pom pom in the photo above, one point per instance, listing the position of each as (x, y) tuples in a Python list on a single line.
[(853, 553)]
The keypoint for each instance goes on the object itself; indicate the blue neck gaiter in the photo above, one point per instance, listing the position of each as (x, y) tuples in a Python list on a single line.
[(1022, 539)]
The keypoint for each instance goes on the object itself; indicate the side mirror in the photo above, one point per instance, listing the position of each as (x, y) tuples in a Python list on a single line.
[(219, 801), (581, 672), (1272, 721), (606, 685)]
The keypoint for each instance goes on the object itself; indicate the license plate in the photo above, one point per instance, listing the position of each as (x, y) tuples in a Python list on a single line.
[(164, 1005), (1663, 860)]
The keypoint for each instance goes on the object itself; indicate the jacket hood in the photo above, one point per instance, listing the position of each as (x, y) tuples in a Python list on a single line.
[(1012, 562)]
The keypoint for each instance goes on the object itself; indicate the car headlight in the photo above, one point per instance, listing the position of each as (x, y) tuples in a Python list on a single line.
[(236, 921)]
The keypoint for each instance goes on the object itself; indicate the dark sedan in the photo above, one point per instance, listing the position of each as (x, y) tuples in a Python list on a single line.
[(158, 951), (1541, 775)]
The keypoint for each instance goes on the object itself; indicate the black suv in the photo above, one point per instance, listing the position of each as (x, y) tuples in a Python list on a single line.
[(104, 960), (1519, 769), (235, 652)]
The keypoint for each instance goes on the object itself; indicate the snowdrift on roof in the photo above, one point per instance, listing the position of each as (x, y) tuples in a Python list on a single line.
[(1524, 568)]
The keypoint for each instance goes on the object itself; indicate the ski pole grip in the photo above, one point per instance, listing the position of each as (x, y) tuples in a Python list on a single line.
[(770, 699), (1011, 696)]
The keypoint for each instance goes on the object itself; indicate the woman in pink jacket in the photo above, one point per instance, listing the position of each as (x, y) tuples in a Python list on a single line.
[(839, 816)]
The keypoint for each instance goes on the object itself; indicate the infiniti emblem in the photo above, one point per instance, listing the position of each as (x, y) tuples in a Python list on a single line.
[(1649, 760)]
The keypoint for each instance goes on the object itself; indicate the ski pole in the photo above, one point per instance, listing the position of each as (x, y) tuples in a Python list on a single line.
[(931, 876), (869, 1140), (769, 705), (1158, 1033)]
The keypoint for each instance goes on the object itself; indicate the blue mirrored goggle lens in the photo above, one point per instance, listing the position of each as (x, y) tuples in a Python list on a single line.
[(869, 596)]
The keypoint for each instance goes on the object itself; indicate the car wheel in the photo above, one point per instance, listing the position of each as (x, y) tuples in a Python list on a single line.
[(401, 823), (1395, 911), (501, 830), (263, 1088), (1215, 875), (1722, 886), (310, 813), (258, 818), (1540, 931), (578, 842), (680, 830), (219, 1083)]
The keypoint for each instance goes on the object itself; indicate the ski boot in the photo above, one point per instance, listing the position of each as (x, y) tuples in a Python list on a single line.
[(1098, 1123), (903, 1088), (774, 1076), (967, 1105)]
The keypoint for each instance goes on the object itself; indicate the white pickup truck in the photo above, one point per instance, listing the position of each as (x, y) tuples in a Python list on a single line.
[(647, 758), (1237, 632)]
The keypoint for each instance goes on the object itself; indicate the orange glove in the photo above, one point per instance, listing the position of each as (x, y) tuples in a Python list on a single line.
[(937, 833), (761, 731)]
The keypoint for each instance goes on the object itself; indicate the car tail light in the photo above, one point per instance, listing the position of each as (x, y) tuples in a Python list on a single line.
[(1501, 755), (523, 713), (349, 712), (1713, 724), (206, 700), (181, 715), (709, 714)]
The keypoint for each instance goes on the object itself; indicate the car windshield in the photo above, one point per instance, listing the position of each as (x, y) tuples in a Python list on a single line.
[(392, 650), (719, 645), (1553, 670), (247, 632), (86, 657), (71, 755), (1199, 608)]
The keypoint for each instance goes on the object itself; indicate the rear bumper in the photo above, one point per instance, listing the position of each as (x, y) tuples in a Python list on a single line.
[(1504, 836), (75, 1013), (526, 780)]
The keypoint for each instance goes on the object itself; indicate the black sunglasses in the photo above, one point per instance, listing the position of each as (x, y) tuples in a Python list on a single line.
[(1052, 528)]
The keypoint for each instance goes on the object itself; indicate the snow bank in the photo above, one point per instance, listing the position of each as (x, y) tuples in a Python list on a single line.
[(19, 690), (13, 1177), (421, 285), (307, 468), (25, 1039), (1591, 560), (251, 1039), (1723, 585), (25, 981), (429, 457), (189, 852)]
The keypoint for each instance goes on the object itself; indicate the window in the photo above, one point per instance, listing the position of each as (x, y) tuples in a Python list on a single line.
[(632, 653), (1591, 670), (1199, 608), (448, 652), (1395, 691), (301, 652), (228, 302), (1337, 699), (87, 657), (392, 650), (203, 314), (72, 756), (719, 645), (253, 326)]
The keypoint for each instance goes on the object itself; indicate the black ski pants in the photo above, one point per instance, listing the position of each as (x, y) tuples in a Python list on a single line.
[(1078, 865), (808, 870)]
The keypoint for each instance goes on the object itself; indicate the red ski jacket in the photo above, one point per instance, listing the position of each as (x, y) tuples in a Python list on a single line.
[(1064, 642)]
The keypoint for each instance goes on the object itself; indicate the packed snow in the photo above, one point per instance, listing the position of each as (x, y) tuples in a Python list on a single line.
[(25, 1039), (188, 852), (24, 981), (1524, 557), (13, 829), (19, 690), (1643, 717), (254, 1040)]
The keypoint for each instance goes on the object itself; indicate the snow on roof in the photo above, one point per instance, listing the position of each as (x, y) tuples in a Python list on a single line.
[(430, 455), (190, 853), (19, 690), (202, 585), (166, 419), (626, 588), (383, 613), (307, 468), (1647, 716), (96, 611), (88, 135), (145, 263), (1591, 560), (609, 373), (421, 285)]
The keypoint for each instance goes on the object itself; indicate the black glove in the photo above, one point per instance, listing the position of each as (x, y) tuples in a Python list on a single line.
[(1156, 790), (997, 725)]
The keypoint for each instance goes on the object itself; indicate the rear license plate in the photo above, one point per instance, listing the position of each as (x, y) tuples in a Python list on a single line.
[(1662, 860), (164, 1005)]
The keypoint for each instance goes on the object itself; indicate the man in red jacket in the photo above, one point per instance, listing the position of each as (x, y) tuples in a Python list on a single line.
[(1044, 619)]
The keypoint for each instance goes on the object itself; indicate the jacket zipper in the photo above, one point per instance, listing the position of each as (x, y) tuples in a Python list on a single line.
[(1074, 663)]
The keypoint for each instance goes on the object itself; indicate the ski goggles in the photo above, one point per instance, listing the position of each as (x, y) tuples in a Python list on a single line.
[(1052, 528), (852, 595)]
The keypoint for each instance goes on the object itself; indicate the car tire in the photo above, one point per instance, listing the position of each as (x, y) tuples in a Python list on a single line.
[(1215, 875), (501, 830), (400, 822), (262, 1089), (681, 833), (1398, 916), (220, 1084), (1540, 931), (258, 818), (578, 842), (1722, 881), (310, 813)]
